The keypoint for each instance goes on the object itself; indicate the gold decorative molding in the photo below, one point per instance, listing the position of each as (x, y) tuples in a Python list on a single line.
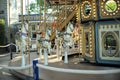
[(89, 46), (91, 7)]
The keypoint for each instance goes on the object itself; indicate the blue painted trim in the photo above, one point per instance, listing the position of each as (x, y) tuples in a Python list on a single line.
[(96, 41), (97, 53), (35, 70), (98, 9)]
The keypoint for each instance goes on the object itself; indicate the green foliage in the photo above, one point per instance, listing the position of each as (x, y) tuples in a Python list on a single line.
[(2, 32), (2, 22), (35, 7), (40, 2)]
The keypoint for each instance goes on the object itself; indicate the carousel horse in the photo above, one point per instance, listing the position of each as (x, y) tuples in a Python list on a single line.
[(23, 40), (47, 42), (57, 38), (58, 43), (38, 36), (67, 40), (24, 36), (44, 40), (67, 37)]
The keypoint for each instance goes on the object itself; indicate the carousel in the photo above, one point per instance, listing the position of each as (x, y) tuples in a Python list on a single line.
[(81, 42)]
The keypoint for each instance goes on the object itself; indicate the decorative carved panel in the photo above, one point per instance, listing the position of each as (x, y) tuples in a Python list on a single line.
[(108, 42), (89, 42)]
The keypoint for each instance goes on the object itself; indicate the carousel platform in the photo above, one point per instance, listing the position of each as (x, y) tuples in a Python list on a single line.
[(74, 64)]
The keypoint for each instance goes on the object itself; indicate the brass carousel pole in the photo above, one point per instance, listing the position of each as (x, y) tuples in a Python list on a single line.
[(21, 18), (22, 25), (79, 32), (56, 28), (28, 37), (9, 34), (66, 50), (9, 23), (22, 12), (65, 15), (40, 6), (81, 35), (45, 15), (40, 29), (45, 51)]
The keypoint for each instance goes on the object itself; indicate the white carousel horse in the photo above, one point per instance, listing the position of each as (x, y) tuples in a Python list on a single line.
[(46, 40), (46, 44), (24, 35), (58, 43), (57, 38), (24, 38), (38, 36), (68, 40)]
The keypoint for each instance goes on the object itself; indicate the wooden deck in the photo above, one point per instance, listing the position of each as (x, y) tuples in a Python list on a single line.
[(47, 74)]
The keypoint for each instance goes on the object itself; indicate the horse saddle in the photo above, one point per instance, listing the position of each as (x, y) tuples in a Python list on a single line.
[(43, 34), (46, 40), (24, 34), (67, 34), (39, 33)]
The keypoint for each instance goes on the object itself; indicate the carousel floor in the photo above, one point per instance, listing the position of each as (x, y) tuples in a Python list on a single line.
[(74, 64)]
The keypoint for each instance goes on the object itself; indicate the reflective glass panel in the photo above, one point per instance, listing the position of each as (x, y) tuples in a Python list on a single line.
[(110, 44)]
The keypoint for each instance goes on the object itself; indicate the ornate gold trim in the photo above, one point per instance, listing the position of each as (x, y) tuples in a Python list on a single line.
[(82, 9)]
